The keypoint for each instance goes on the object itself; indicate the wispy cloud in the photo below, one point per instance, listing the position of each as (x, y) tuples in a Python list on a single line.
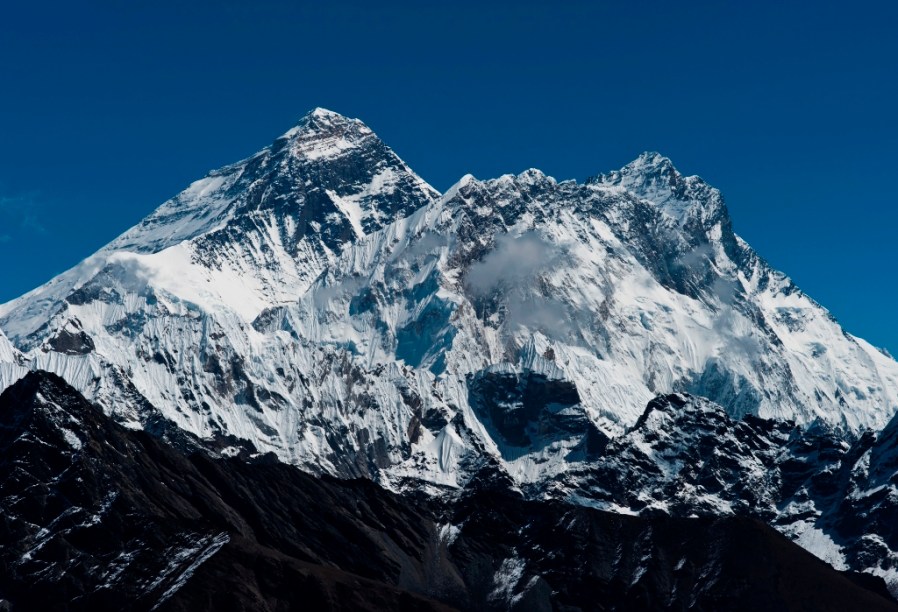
[(515, 260), (700, 257), (342, 288), (516, 265), (548, 315), (19, 214)]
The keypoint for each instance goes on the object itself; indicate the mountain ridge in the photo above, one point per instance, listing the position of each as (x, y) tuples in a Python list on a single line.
[(117, 519)]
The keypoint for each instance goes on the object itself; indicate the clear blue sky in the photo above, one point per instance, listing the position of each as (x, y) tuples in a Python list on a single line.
[(107, 108)]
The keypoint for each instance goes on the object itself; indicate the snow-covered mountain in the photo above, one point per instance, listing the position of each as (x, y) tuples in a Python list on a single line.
[(320, 301)]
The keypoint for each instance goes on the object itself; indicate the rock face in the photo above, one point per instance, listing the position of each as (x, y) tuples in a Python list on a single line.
[(99, 517), (320, 302)]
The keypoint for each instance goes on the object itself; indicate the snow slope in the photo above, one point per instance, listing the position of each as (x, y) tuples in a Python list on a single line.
[(11, 368)]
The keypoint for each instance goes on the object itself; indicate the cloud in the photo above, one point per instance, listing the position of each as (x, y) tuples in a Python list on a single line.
[(729, 322), (514, 266), (128, 269), (726, 290), (19, 213), (699, 256), (421, 245), (549, 316), (514, 260), (735, 327), (698, 262), (322, 294)]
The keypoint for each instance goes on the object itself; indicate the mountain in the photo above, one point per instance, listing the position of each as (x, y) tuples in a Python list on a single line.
[(96, 516), (321, 303), (245, 236), (202, 266), (836, 497)]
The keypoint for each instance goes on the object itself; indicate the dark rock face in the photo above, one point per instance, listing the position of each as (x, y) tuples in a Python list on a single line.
[(531, 411), (593, 560), (519, 404), (71, 343), (98, 517)]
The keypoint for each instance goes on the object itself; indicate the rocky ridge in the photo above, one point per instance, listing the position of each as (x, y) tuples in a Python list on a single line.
[(96, 516)]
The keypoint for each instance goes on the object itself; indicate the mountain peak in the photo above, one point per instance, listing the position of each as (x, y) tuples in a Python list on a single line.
[(41, 403), (322, 123), (651, 161), (321, 117), (321, 112), (653, 177), (649, 168)]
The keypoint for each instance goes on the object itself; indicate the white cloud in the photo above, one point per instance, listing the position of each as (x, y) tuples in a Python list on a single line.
[(514, 260)]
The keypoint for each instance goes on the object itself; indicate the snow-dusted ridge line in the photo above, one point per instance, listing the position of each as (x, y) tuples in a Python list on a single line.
[(199, 553)]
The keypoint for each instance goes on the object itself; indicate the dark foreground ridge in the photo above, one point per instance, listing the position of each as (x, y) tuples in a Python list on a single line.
[(97, 517)]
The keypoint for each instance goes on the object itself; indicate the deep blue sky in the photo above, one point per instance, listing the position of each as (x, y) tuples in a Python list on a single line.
[(107, 108)]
